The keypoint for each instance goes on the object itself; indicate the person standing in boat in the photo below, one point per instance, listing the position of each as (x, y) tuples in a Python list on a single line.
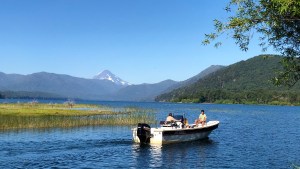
[(201, 119)]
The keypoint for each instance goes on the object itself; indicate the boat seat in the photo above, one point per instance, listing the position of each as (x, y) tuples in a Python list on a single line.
[(165, 123)]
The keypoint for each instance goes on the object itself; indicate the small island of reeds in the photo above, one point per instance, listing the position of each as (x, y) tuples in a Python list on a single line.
[(41, 115)]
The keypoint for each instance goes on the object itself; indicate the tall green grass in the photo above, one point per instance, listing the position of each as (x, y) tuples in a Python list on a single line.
[(28, 115)]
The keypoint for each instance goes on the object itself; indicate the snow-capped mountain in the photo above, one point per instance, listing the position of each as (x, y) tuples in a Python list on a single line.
[(107, 75)]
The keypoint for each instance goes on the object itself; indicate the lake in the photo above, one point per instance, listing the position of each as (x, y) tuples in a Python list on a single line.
[(249, 136)]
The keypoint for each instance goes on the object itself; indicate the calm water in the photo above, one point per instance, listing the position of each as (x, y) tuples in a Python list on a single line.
[(248, 137)]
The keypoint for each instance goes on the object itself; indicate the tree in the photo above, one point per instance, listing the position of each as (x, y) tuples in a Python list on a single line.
[(277, 23)]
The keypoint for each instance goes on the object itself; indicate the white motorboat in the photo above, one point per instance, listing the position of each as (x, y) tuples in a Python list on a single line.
[(172, 132)]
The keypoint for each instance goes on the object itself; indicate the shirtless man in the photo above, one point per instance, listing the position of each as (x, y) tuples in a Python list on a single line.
[(170, 118)]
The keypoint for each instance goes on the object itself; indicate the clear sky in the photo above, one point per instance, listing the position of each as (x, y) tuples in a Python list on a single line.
[(141, 41)]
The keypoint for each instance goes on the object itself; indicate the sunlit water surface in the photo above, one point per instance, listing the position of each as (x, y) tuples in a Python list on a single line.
[(248, 137)]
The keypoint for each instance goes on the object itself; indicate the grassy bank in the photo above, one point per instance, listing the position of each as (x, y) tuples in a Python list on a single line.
[(37, 115)]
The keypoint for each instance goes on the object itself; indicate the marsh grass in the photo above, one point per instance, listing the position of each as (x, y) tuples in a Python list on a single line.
[(28, 115)]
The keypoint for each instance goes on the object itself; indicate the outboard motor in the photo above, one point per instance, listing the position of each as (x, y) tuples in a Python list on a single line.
[(144, 132)]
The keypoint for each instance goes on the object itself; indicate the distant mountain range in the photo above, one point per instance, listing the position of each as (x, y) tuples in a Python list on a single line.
[(103, 86), (64, 86), (243, 82)]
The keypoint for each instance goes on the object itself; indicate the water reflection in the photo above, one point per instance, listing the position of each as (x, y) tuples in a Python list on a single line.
[(178, 154), (147, 155), (156, 156)]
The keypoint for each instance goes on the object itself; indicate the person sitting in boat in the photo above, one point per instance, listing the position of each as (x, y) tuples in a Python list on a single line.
[(201, 119), (171, 119), (186, 123)]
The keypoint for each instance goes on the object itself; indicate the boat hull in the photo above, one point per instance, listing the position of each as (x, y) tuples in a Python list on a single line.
[(165, 135)]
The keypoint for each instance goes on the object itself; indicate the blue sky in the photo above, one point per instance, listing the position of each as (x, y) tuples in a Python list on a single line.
[(141, 41)]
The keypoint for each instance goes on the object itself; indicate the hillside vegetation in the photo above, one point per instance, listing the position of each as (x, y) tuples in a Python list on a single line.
[(245, 82)]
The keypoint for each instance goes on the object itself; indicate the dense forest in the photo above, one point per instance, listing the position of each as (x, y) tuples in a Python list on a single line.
[(245, 82)]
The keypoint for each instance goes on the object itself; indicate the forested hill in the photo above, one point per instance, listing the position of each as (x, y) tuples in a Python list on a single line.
[(243, 82)]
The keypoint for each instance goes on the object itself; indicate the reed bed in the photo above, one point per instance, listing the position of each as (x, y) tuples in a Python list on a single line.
[(37, 115)]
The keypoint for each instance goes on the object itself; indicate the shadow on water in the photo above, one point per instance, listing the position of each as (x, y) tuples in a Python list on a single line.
[(185, 153)]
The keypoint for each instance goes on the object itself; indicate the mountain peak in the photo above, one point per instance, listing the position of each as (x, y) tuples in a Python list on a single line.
[(107, 75)]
